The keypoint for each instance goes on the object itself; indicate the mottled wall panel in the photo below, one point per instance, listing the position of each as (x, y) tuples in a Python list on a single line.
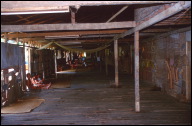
[(170, 49)]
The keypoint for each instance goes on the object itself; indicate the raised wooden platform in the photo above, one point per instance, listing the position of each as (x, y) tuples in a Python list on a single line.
[(90, 100)]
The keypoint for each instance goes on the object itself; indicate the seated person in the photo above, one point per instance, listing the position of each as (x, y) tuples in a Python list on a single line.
[(38, 79), (32, 83)]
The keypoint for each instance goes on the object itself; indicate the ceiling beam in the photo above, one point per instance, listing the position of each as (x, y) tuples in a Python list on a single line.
[(33, 10), (42, 40), (115, 15), (30, 35), (82, 36), (59, 4), (94, 40), (59, 27), (159, 17)]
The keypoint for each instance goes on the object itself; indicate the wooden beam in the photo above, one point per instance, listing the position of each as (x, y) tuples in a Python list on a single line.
[(97, 36), (159, 17), (95, 40), (59, 27), (137, 97), (34, 10), (32, 39), (116, 63), (90, 41), (30, 35), (114, 16), (24, 4), (77, 36)]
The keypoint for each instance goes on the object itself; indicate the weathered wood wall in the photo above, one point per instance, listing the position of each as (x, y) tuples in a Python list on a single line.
[(42, 62), (158, 55)]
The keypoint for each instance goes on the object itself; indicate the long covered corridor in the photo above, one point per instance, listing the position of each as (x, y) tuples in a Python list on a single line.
[(95, 62), (91, 100)]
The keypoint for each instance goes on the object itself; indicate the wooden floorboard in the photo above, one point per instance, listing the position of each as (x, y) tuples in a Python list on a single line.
[(91, 101)]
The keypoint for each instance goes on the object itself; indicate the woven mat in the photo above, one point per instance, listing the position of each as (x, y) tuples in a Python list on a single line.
[(22, 106), (62, 83)]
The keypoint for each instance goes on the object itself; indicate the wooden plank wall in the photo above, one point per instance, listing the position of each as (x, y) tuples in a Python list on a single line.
[(42, 62)]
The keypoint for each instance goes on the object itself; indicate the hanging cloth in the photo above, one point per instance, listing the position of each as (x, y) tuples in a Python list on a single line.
[(45, 46), (83, 50), (76, 50), (59, 54)]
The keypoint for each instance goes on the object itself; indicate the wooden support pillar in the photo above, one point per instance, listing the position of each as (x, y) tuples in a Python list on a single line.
[(100, 65), (72, 17), (24, 70), (137, 97), (43, 69), (56, 64), (5, 73), (5, 38), (116, 63), (17, 40), (106, 61), (29, 60)]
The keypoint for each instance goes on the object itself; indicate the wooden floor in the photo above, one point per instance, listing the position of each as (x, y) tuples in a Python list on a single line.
[(91, 101)]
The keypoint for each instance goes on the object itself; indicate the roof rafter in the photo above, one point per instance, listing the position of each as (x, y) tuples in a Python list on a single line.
[(159, 17), (119, 12)]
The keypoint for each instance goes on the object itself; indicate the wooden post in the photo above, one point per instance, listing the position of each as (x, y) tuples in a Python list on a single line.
[(29, 60), (17, 40), (24, 70), (56, 64), (137, 97), (5, 74), (6, 37), (72, 17), (116, 63), (106, 62), (100, 61)]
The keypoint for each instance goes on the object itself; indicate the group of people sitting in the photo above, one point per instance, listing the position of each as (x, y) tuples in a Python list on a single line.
[(35, 82)]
